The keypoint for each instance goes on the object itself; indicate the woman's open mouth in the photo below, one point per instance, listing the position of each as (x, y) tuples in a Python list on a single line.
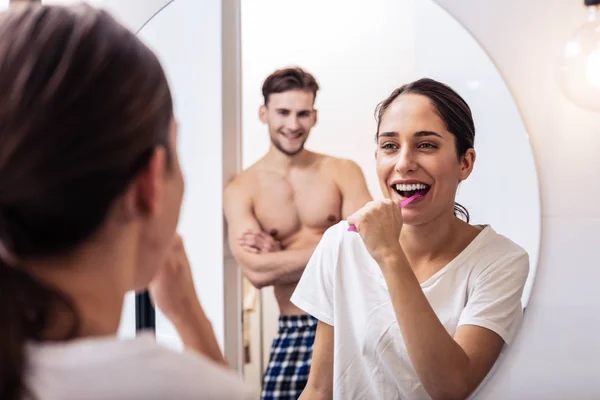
[(407, 190)]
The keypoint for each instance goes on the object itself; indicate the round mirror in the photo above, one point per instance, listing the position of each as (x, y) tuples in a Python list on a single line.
[(359, 52)]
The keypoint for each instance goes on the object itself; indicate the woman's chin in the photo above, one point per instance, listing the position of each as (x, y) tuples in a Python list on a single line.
[(413, 217), (410, 220)]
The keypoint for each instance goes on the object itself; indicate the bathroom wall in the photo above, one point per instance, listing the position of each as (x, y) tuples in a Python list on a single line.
[(557, 352)]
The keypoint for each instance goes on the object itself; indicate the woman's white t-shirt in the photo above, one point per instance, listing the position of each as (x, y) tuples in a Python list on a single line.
[(134, 369), (343, 286)]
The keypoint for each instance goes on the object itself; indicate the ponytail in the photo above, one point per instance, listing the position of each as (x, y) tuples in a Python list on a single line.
[(26, 306), (461, 212)]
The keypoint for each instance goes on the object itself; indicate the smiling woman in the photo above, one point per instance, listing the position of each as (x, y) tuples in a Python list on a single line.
[(424, 299), (456, 132)]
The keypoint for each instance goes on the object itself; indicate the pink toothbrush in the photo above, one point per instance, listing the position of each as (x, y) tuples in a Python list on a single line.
[(403, 204)]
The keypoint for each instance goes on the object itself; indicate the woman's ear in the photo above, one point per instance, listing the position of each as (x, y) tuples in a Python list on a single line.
[(466, 164), (145, 193)]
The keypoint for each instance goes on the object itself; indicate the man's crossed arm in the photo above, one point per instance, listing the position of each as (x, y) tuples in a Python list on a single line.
[(264, 262)]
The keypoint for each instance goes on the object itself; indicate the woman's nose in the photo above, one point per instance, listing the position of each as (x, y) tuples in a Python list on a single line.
[(406, 161)]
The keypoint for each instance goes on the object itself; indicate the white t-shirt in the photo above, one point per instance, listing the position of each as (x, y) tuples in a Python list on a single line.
[(344, 287), (135, 369)]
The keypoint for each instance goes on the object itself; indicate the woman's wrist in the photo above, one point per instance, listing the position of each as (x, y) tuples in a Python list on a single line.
[(189, 311), (196, 332), (393, 260)]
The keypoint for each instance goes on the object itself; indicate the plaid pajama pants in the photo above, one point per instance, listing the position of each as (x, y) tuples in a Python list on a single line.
[(290, 358)]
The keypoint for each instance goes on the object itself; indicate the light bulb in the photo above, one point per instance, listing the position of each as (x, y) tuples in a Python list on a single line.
[(579, 65)]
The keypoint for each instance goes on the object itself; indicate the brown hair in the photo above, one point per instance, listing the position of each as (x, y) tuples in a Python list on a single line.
[(451, 108), (83, 106), (287, 79)]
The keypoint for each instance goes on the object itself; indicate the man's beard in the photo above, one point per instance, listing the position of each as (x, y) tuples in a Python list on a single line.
[(288, 153)]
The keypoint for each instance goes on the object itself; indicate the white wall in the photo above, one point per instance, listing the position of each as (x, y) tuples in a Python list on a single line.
[(557, 351)]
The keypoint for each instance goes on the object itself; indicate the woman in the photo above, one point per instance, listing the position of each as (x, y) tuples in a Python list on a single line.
[(90, 192), (419, 303)]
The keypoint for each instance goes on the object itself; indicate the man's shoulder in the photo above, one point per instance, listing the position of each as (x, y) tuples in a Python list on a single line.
[(341, 166), (336, 162), (242, 182)]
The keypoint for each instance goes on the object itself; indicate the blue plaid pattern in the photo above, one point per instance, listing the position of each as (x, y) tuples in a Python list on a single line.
[(290, 359)]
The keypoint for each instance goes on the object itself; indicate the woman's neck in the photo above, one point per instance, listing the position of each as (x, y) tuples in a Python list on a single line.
[(95, 279), (441, 240)]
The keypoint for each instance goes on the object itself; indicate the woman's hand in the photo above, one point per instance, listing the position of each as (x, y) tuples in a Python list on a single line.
[(379, 224), (172, 289)]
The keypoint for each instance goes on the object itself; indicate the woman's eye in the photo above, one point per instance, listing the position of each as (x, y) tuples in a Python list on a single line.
[(388, 146), (427, 146)]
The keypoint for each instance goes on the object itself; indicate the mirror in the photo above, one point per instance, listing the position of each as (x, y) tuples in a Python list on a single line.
[(359, 53)]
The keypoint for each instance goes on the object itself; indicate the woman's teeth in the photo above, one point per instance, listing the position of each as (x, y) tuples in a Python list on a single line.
[(400, 187), (410, 189)]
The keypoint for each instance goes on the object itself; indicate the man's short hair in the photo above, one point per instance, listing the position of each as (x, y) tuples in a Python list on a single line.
[(287, 79)]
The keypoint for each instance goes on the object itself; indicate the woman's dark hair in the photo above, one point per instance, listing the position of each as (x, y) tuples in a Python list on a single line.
[(451, 108), (83, 106)]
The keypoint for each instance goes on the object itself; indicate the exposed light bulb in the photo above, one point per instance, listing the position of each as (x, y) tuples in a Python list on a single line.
[(579, 64)]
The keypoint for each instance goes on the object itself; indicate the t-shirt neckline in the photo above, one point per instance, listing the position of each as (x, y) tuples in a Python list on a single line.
[(472, 246)]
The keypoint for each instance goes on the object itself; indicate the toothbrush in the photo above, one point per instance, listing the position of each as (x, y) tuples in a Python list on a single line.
[(403, 204)]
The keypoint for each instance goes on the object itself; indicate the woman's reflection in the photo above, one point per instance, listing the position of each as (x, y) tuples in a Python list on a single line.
[(417, 303)]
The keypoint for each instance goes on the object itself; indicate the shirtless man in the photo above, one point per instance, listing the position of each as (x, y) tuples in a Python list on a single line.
[(278, 209)]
